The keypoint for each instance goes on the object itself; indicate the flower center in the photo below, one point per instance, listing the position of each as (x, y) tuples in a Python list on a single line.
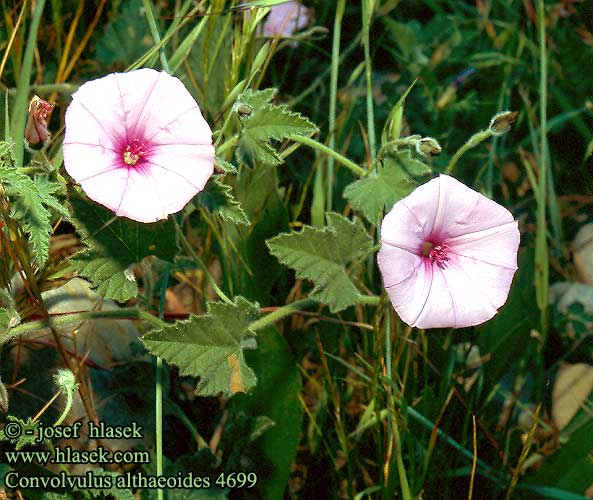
[(435, 253), (134, 152)]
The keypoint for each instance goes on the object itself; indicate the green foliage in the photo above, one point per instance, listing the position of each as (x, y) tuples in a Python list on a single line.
[(9, 316), (393, 179), (505, 337), (27, 435), (277, 397), (570, 468), (218, 198), (30, 203), (262, 122), (116, 493), (211, 347), (126, 37), (114, 244), (321, 255)]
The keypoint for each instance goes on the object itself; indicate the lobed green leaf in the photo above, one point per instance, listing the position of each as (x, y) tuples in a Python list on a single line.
[(393, 179), (321, 255), (114, 244), (218, 198), (211, 347)]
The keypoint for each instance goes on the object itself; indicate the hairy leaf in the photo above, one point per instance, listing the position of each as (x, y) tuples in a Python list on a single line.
[(392, 181), (9, 316), (211, 347), (263, 122), (27, 435), (115, 243), (218, 198), (30, 203), (321, 255)]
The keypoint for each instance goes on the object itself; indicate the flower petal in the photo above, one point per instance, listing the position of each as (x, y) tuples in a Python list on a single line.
[(464, 293), (462, 210), (181, 172), (141, 200), (409, 223), (94, 116), (172, 116), (407, 279), (497, 246), (86, 161)]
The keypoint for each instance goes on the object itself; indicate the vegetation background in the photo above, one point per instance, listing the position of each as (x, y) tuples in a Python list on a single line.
[(348, 404)]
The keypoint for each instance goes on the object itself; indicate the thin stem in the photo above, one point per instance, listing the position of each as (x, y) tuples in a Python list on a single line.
[(541, 248), (473, 141), (360, 172), (299, 305), (154, 30), (368, 7), (19, 111), (281, 313), (158, 400), (333, 93), (403, 478), (68, 319), (189, 249)]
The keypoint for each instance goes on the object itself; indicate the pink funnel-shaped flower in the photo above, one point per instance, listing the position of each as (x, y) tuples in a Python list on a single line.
[(138, 144), (448, 255), (286, 19)]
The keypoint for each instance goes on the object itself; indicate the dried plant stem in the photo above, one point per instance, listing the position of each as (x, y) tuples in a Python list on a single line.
[(23, 262), (193, 254)]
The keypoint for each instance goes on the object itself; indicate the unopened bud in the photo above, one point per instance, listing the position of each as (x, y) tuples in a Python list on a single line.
[(501, 122), (244, 110), (427, 146), (36, 131)]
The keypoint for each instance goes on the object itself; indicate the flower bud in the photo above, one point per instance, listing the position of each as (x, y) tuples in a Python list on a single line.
[(244, 110), (427, 146), (36, 131), (501, 122)]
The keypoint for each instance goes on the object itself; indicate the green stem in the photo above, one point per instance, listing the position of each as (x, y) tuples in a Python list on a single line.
[(333, 93), (67, 408), (45, 88), (368, 7), (299, 305), (473, 141), (159, 389), (154, 30), (541, 248), (68, 319), (19, 111), (282, 312), (330, 152), (403, 478), (192, 253)]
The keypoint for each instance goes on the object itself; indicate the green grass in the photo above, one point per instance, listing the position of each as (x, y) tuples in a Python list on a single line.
[(385, 411)]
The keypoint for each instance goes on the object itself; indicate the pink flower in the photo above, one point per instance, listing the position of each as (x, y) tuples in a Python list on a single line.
[(286, 19), (448, 255), (138, 144)]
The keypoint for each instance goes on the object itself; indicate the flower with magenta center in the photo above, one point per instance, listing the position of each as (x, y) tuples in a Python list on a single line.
[(448, 255), (138, 144)]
